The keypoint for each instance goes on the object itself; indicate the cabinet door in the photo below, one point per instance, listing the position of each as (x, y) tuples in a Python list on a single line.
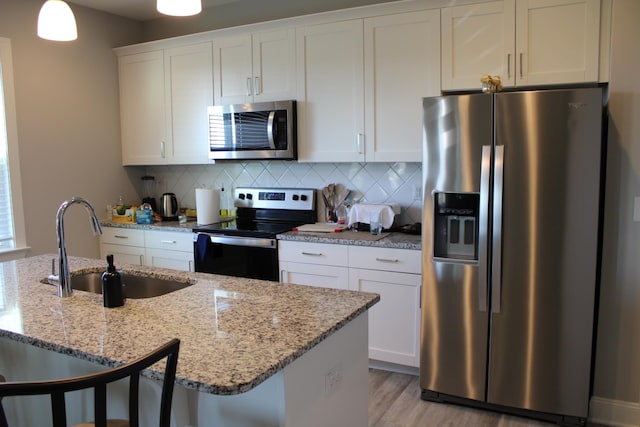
[(557, 41), (142, 108), (330, 92), (274, 65), (402, 66), (169, 259), (478, 39), (189, 89), (314, 275), (232, 70), (394, 322), (123, 254)]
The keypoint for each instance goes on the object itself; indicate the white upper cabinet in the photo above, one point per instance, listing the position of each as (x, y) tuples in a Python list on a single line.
[(395, 58), (142, 108), (557, 41), (189, 91), (477, 39), (525, 42), (330, 92), (164, 96), (402, 65), (255, 67)]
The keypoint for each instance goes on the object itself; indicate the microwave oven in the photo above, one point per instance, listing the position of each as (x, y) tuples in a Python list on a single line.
[(261, 130)]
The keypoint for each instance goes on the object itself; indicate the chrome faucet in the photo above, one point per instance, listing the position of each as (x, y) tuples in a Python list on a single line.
[(63, 279)]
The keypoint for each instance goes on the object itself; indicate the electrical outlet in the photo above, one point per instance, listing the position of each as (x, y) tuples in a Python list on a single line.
[(636, 209), (332, 380), (417, 192)]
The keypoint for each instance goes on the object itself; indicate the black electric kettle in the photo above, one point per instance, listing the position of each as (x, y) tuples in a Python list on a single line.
[(169, 207)]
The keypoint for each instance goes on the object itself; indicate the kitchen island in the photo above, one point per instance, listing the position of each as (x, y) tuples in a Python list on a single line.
[(253, 353)]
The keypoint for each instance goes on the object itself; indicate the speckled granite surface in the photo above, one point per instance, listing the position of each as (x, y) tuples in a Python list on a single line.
[(162, 225), (234, 332), (393, 240)]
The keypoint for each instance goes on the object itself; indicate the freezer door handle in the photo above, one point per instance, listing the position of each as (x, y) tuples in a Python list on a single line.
[(483, 227), (496, 248)]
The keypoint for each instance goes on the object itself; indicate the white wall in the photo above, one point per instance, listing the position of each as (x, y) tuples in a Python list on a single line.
[(68, 120), (618, 361)]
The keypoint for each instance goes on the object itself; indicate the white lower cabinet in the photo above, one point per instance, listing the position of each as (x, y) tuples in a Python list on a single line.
[(165, 249), (395, 274), (125, 244), (394, 322), (169, 249), (313, 264)]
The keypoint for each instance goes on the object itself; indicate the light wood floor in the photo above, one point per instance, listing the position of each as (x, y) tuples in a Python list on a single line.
[(394, 401)]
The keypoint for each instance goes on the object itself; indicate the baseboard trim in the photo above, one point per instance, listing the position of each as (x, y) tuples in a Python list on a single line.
[(393, 367), (615, 413)]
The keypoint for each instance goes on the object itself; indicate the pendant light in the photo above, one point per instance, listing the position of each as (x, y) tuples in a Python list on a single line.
[(56, 21), (179, 7)]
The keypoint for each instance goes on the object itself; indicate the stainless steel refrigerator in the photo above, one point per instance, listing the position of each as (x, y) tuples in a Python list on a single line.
[(511, 236)]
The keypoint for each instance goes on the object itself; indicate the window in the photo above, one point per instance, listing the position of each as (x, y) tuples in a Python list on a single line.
[(12, 236)]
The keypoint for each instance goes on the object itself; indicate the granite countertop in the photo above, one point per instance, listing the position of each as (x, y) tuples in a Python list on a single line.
[(161, 225), (357, 238), (235, 332)]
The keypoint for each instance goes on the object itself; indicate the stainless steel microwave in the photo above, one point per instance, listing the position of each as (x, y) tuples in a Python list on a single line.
[(261, 130)]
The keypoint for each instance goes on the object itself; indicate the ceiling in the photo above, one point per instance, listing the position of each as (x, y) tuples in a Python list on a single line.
[(140, 10)]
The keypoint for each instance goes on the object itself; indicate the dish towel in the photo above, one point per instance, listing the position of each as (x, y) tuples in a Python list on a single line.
[(201, 246), (361, 212)]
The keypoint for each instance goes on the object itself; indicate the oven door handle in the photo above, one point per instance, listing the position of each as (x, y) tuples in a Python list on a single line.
[(242, 241)]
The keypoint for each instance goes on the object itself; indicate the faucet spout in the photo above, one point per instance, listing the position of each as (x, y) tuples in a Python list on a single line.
[(63, 279)]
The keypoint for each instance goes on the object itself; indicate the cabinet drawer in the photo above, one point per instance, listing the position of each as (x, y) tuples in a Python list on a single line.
[(122, 236), (169, 240), (313, 253), (388, 259)]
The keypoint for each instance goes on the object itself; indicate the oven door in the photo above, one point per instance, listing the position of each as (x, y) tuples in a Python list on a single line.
[(250, 257)]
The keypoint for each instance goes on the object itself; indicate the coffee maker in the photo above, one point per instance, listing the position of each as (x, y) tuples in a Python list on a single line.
[(149, 189)]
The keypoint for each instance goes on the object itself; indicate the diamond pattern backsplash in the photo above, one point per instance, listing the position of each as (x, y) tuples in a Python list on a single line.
[(399, 183)]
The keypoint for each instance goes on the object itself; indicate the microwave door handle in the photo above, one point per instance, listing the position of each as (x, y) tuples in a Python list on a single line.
[(271, 130)]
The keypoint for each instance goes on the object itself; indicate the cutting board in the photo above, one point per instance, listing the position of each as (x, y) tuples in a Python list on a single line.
[(320, 227)]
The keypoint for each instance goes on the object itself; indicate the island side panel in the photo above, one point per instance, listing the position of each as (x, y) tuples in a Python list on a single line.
[(327, 386)]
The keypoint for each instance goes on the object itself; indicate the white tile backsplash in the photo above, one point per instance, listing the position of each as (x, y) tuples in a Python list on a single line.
[(376, 182)]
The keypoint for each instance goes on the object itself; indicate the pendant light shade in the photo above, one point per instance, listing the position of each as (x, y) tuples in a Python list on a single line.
[(56, 21), (180, 7)]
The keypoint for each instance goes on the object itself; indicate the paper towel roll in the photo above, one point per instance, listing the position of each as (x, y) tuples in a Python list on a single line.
[(207, 205)]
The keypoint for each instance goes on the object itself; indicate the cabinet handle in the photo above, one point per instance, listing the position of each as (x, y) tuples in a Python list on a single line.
[(117, 236), (170, 242), (162, 149), (191, 266), (359, 142), (256, 86), (248, 86), (387, 260), (508, 66), (141, 259), (521, 55), (312, 253)]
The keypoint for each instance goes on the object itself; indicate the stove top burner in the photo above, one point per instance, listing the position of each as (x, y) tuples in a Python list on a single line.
[(265, 212), (259, 229)]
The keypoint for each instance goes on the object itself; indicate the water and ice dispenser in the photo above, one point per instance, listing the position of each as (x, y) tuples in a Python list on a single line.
[(456, 226)]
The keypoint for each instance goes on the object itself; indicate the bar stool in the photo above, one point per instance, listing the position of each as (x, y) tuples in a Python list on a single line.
[(56, 389)]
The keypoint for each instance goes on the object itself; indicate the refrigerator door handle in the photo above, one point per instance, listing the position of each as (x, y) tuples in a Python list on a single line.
[(483, 228), (496, 268)]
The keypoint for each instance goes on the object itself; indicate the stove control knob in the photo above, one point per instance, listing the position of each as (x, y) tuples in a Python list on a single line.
[(303, 197), (241, 196), (296, 197), (249, 196)]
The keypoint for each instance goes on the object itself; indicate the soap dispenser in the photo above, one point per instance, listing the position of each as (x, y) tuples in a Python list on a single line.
[(112, 294)]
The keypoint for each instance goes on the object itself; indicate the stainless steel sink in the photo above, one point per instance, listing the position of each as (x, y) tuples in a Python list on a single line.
[(134, 286)]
